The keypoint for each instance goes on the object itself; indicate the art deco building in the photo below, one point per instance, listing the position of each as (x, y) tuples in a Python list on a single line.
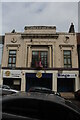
[(40, 56)]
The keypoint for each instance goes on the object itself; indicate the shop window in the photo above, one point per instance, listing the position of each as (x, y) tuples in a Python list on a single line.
[(67, 58), (12, 58), (39, 59)]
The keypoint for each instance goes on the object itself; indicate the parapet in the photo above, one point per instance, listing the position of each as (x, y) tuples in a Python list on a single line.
[(40, 29)]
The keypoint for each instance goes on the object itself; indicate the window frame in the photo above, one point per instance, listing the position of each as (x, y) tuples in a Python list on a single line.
[(67, 58), (42, 57), (12, 56)]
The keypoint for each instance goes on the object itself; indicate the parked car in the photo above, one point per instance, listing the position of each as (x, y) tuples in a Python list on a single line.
[(43, 90), (77, 94), (5, 90), (38, 106)]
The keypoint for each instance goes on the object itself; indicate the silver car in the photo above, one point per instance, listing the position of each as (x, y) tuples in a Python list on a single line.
[(5, 90)]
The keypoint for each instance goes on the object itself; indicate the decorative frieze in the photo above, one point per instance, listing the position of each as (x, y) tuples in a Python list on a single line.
[(42, 36)]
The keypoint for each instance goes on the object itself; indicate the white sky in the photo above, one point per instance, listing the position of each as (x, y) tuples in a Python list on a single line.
[(15, 14), (39, 0)]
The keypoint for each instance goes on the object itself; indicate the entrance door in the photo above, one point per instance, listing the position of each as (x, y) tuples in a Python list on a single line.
[(65, 84), (44, 81)]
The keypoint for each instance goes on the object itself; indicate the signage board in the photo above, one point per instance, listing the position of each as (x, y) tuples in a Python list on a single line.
[(66, 75), (11, 73)]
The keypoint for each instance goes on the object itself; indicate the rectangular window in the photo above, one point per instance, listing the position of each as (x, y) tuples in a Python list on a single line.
[(12, 58), (67, 58), (39, 59)]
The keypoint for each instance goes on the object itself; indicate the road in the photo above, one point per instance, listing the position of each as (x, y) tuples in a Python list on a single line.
[(71, 97), (76, 102)]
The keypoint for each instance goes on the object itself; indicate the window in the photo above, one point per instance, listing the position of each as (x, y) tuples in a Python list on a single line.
[(12, 58), (39, 59), (67, 59)]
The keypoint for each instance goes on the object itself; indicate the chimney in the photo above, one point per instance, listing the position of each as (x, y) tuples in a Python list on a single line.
[(71, 29)]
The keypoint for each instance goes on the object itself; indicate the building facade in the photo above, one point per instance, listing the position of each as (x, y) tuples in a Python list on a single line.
[(40, 56)]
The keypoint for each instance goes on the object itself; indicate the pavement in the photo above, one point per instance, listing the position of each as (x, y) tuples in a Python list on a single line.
[(71, 97), (68, 95)]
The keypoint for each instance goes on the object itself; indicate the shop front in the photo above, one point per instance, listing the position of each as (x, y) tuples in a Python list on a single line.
[(12, 78), (66, 82), (38, 79)]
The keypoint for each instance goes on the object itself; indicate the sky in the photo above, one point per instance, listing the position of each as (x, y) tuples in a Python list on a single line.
[(16, 14)]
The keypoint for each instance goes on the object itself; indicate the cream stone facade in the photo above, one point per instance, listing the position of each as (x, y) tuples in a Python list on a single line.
[(45, 41)]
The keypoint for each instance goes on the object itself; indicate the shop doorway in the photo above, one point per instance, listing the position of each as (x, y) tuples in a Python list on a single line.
[(66, 84), (13, 83), (44, 81)]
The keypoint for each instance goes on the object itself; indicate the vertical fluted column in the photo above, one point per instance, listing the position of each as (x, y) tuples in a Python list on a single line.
[(50, 56), (29, 56), (53, 56)]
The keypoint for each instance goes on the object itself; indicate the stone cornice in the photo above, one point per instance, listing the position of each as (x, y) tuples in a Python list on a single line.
[(13, 45), (71, 46), (66, 45), (25, 68), (39, 27), (42, 36)]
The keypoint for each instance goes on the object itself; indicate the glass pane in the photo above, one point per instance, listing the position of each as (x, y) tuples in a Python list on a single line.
[(69, 61), (37, 56), (13, 65), (69, 66), (65, 61), (65, 66), (66, 52), (9, 60), (42, 53), (12, 52), (14, 60), (9, 65)]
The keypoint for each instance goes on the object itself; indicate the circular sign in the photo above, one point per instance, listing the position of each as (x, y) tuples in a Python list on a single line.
[(38, 74), (7, 73)]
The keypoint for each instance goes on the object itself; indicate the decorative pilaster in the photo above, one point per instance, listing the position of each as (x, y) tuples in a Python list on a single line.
[(50, 56), (29, 56)]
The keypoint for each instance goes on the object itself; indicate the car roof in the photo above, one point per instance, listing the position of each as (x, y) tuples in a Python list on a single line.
[(42, 97), (4, 86), (35, 95), (40, 88)]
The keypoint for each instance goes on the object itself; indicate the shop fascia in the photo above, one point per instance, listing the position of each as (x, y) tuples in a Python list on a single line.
[(66, 75), (11, 73)]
